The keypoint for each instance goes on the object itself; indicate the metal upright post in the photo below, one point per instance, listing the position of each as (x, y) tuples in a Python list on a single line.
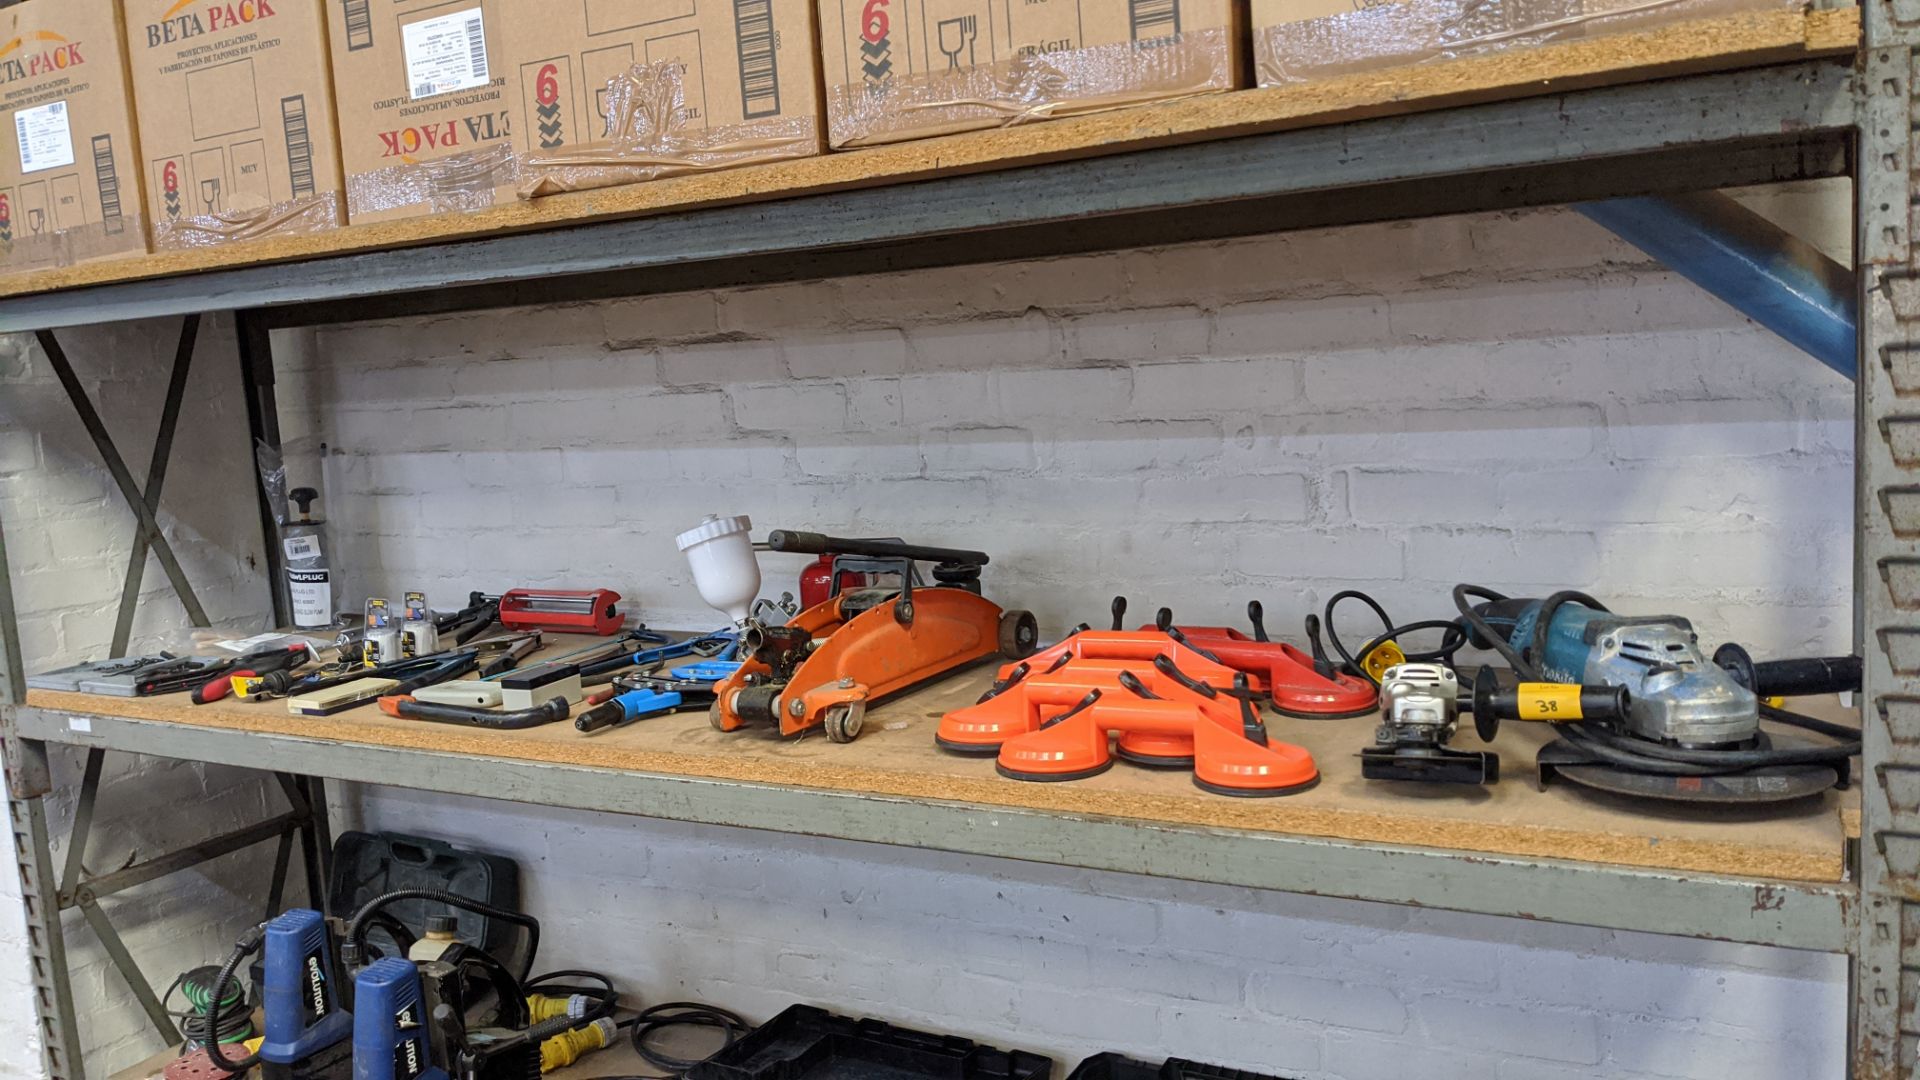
[(1886, 954), (28, 782), (263, 427)]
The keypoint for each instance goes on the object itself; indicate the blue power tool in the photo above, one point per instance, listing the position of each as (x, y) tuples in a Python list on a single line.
[(306, 1024), (390, 1036)]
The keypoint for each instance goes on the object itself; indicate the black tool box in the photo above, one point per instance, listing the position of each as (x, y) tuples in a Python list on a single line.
[(366, 865), (805, 1043), (1112, 1066)]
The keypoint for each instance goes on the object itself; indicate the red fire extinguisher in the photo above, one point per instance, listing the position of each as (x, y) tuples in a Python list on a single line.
[(816, 581)]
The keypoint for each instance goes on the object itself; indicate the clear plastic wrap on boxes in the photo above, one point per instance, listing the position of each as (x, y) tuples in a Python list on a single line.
[(463, 181), (314, 213), (1297, 41), (1036, 86), (648, 138)]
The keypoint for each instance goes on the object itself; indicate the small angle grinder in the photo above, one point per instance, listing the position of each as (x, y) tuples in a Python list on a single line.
[(1689, 729)]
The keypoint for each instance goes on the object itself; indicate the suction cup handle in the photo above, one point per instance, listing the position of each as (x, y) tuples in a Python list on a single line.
[(1001, 686), (1322, 663), (1131, 682), (1254, 728), (1163, 620), (1085, 704), (1119, 613), (1164, 665), (1257, 615), (812, 543), (1173, 632)]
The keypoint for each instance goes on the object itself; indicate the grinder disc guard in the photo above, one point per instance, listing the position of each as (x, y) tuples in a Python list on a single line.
[(1755, 787)]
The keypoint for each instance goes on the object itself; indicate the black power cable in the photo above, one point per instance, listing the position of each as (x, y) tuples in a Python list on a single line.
[(682, 1014), (248, 944), (1453, 638)]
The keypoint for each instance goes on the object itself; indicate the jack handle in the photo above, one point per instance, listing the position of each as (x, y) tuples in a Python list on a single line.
[(812, 543)]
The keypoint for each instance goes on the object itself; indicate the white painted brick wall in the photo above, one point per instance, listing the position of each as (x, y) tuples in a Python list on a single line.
[(1515, 397), (68, 532)]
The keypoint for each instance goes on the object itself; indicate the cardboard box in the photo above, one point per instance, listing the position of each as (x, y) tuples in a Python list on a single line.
[(906, 69), (69, 186), (613, 91), (235, 104), (1298, 41), (419, 86)]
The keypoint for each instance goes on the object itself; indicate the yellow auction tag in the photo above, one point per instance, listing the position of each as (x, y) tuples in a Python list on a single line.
[(1554, 703), (1384, 655)]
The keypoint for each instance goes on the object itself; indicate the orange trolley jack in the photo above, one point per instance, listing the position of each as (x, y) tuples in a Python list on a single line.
[(862, 646)]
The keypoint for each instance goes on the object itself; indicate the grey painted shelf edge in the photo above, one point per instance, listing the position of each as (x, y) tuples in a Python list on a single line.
[(1801, 915)]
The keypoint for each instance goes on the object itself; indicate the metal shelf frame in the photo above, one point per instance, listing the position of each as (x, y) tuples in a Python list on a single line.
[(1794, 121)]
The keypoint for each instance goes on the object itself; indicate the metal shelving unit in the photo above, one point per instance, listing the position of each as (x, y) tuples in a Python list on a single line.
[(1786, 122)]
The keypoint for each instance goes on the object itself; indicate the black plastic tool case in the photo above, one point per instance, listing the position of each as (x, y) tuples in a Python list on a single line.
[(1121, 1067), (365, 865), (805, 1043)]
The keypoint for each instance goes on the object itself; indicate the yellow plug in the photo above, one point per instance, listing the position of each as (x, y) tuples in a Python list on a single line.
[(545, 1007), (568, 1046), (1384, 655)]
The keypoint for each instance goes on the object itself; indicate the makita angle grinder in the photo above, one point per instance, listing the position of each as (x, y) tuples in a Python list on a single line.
[(1689, 729)]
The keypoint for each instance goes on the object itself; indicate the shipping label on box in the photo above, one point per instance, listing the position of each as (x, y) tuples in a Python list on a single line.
[(616, 91), (69, 187), (903, 69), (235, 106), (420, 88)]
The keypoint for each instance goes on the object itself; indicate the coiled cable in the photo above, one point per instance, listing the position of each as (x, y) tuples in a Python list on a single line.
[(1453, 637), (230, 1021), (682, 1014)]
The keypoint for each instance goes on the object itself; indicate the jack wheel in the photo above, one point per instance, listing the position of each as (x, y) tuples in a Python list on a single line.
[(715, 717), (1019, 634), (843, 724)]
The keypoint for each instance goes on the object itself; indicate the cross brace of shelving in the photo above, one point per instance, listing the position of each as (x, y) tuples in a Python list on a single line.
[(29, 776)]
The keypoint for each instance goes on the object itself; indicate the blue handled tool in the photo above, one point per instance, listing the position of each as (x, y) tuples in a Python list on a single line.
[(631, 705), (705, 670), (722, 644)]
